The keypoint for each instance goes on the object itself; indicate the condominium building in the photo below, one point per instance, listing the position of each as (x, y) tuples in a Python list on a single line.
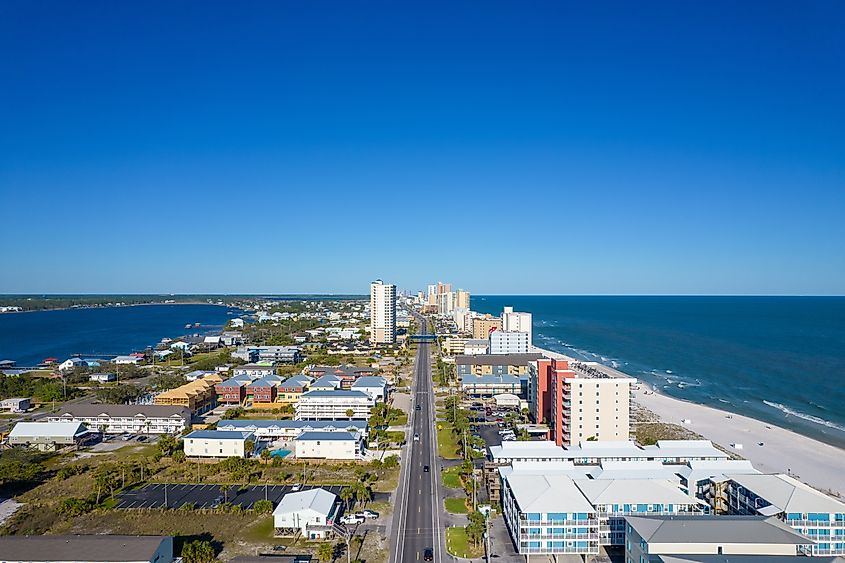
[(199, 396), (328, 445), (483, 326), (517, 322), (547, 514), (382, 313), (819, 517), (489, 385), (649, 537), (127, 419), (334, 405), (462, 299), (578, 408), (502, 342)]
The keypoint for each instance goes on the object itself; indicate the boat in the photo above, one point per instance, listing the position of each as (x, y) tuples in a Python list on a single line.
[(188, 325), (196, 324)]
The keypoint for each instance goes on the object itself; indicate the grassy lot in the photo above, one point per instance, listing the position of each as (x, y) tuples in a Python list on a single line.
[(400, 420), (451, 479), (458, 545), (648, 433), (447, 444), (456, 505)]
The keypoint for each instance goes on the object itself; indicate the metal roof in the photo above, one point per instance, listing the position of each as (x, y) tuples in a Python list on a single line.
[(497, 359), (47, 430), (632, 491), (715, 529), (337, 394), (319, 500), (94, 548), (788, 494), (85, 410), (219, 435), (252, 425), (547, 493), (312, 435)]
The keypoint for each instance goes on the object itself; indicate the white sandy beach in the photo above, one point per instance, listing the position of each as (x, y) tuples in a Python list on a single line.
[(783, 451)]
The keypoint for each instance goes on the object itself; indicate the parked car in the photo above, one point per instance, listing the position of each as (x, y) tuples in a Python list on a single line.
[(352, 519), (295, 488), (369, 514)]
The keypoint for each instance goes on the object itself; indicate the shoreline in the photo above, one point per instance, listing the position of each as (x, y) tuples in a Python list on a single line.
[(811, 461), (83, 307)]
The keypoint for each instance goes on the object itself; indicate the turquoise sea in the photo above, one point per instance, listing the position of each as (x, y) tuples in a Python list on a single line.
[(29, 338), (778, 359)]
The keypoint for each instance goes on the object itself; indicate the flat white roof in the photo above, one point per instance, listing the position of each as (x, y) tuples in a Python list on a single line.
[(515, 449), (685, 448), (546, 468), (547, 493), (699, 470)]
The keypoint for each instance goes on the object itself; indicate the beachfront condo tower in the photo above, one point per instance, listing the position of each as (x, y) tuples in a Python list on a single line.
[(382, 313)]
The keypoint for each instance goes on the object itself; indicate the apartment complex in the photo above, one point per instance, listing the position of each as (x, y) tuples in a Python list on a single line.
[(334, 405), (494, 364), (127, 419), (217, 443), (198, 396), (382, 313), (815, 515)]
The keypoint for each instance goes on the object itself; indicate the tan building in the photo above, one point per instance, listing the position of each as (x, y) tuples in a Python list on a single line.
[(462, 299), (453, 346), (482, 326), (199, 395), (382, 313), (590, 409)]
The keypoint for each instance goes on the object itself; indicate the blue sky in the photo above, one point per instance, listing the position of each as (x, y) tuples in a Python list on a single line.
[(509, 147)]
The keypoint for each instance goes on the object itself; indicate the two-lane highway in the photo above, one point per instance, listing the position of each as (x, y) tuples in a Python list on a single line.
[(417, 524)]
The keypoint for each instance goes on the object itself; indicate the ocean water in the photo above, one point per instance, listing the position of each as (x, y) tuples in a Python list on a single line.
[(777, 359), (29, 338)]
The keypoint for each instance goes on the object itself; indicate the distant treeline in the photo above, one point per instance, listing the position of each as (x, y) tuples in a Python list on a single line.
[(38, 302), (57, 301)]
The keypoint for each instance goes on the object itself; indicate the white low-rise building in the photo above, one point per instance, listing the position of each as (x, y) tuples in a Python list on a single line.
[(102, 377), (127, 419), (49, 436), (217, 443), (128, 360), (310, 513), (16, 404), (328, 445), (334, 405)]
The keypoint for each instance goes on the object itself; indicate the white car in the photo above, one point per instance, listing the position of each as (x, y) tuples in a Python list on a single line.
[(295, 488), (352, 519), (416, 437), (368, 514)]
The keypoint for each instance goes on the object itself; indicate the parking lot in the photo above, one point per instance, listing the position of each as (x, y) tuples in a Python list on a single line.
[(209, 496)]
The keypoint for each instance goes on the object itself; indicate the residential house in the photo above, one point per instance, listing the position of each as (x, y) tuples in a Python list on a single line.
[(286, 430), (232, 391), (49, 436), (373, 385), (199, 396), (132, 360), (254, 371), (102, 377), (310, 513), (325, 383), (16, 404), (289, 391), (263, 390), (334, 405)]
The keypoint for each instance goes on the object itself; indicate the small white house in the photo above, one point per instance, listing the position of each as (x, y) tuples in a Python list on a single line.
[(310, 513), (506, 400), (237, 323), (328, 445), (16, 404), (128, 360), (72, 363), (102, 377), (216, 443)]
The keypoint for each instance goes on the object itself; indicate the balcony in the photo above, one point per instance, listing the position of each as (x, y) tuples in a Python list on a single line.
[(559, 537)]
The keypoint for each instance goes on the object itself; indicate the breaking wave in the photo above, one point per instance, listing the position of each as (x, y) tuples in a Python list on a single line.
[(804, 416)]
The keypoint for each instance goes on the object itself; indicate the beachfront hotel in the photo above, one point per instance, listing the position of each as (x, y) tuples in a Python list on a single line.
[(816, 515)]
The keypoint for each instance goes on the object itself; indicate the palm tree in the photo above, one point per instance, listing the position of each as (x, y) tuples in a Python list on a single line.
[(346, 494), (325, 552)]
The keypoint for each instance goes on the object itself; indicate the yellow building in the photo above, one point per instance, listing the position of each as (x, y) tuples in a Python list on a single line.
[(481, 326), (197, 395)]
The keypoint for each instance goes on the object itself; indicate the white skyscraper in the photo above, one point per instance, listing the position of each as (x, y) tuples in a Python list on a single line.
[(382, 313), (517, 322)]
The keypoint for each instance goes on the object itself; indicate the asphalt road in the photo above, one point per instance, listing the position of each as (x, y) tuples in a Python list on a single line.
[(417, 526)]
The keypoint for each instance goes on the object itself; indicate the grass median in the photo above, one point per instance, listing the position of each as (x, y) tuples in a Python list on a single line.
[(447, 442), (457, 505), (457, 544)]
